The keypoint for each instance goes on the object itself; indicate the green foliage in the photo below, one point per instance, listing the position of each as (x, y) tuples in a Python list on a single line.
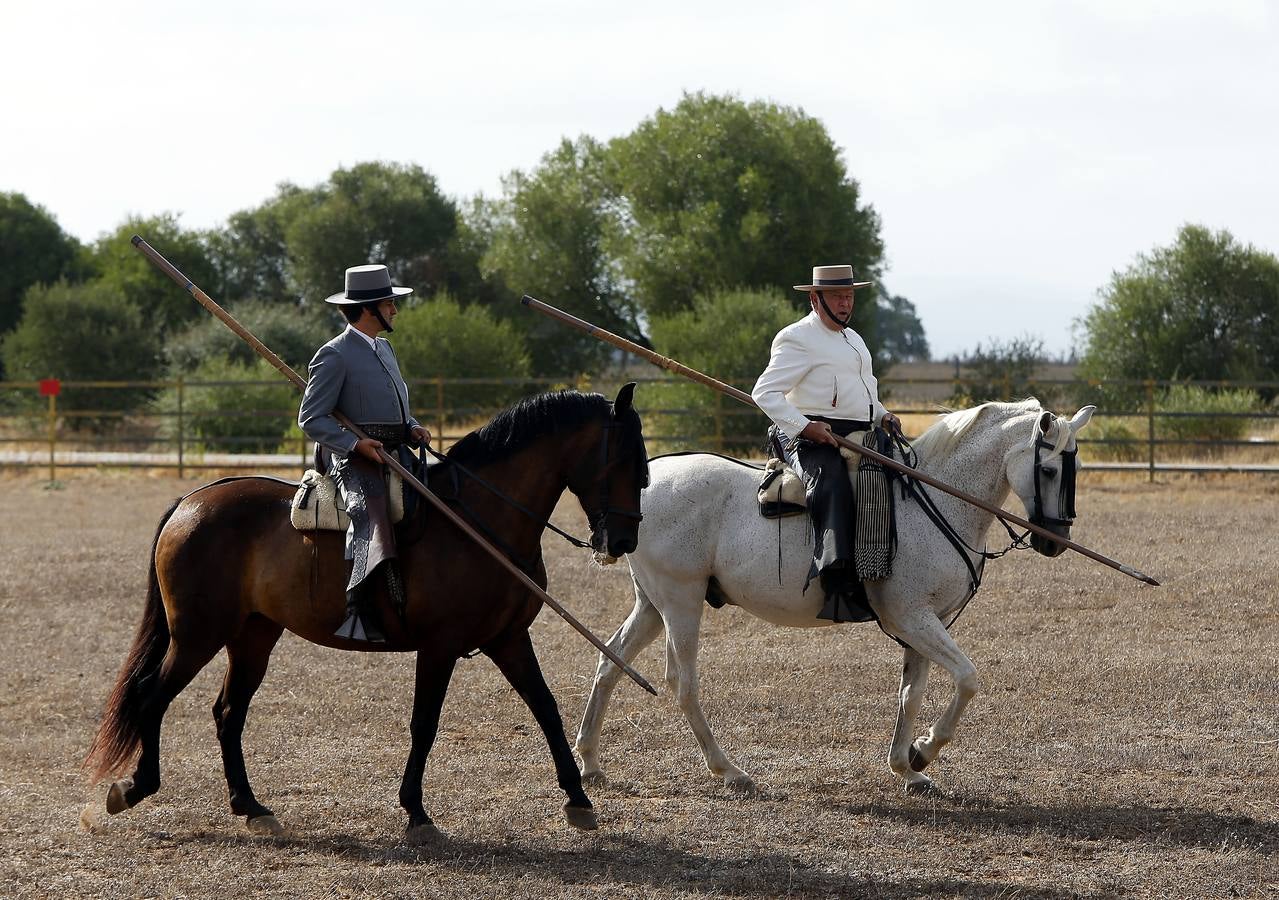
[(728, 333), (83, 332), (1217, 413), (718, 193), (292, 333), (1000, 370), (441, 338), (163, 304), (551, 236), (33, 250), (251, 252), (1204, 308), (372, 212), (223, 412), (1115, 433)]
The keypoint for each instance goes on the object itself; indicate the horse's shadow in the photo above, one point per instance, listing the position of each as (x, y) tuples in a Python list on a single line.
[(627, 860), (1190, 828)]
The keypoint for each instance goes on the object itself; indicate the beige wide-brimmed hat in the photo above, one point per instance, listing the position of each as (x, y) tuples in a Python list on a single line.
[(832, 278), (367, 284)]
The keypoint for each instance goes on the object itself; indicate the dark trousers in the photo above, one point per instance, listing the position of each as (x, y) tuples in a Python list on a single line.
[(830, 506)]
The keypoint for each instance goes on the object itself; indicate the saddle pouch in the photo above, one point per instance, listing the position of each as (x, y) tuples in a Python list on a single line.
[(317, 504), (781, 492)]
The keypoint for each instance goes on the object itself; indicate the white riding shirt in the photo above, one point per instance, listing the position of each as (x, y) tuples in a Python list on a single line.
[(815, 371)]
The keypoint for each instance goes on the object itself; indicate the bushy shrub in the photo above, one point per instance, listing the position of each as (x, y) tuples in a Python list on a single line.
[(1218, 413), (232, 414), (83, 332), (1106, 439), (291, 332), (440, 338), (1001, 370)]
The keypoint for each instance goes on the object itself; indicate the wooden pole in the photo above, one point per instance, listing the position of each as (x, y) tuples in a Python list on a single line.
[(671, 365), (262, 350)]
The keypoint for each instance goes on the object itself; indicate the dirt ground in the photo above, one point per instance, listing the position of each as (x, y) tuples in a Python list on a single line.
[(1126, 741)]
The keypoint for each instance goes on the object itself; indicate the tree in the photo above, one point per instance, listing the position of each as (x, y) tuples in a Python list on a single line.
[(251, 252), (372, 212), (162, 304), (443, 339), (83, 332), (549, 236), (33, 250), (1204, 308), (718, 193), (899, 333)]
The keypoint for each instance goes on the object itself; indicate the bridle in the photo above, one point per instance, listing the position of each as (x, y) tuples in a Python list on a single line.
[(1065, 488), (607, 462)]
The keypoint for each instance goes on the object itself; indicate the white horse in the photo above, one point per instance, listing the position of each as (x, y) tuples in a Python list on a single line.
[(703, 538)]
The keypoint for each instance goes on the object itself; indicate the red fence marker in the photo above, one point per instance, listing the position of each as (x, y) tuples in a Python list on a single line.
[(50, 387)]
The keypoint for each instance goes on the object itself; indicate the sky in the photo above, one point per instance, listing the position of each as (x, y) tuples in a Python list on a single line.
[(1017, 153)]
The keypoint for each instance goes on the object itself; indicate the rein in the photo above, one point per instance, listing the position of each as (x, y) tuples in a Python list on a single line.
[(916, 489), (606, 508)]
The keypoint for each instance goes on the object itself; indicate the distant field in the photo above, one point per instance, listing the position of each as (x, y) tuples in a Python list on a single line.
[(1126, 741)]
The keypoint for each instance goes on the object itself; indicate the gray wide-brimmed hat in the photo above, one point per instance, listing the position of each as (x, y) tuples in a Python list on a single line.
[(832, 278), (367, 284)]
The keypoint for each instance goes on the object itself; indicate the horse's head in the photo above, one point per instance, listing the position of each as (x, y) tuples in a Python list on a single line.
[(1041, 471), (608, 481)]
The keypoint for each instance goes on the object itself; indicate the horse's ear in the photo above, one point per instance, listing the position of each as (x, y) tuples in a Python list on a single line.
[(1045, 421), (624, 398), (1081, 418)]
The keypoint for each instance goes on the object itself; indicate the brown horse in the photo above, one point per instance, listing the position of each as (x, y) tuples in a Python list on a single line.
[(228, 570)]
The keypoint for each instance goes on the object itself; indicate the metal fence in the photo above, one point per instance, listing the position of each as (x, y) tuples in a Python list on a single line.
[(189, 425)]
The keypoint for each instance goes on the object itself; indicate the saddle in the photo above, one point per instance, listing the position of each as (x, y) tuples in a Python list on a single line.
[(317, 504), (782, 493)]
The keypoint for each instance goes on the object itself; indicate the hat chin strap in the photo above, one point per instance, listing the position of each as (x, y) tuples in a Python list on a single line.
[(842, 323), (376, 310)]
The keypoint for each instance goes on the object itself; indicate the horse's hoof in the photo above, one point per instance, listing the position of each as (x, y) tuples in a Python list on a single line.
[(268, 825), (116, 803), (581, 817), (740, 783), (917, 760), (420, 835), (594, 779), (923, 787)]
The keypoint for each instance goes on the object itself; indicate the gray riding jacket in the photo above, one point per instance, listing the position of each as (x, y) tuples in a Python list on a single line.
[(363, 383)]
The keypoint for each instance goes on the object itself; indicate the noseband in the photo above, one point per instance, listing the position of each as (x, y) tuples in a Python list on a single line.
[(1065, 489)]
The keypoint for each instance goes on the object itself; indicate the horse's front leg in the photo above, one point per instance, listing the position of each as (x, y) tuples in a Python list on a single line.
[(929, 638), (901, 754), (515, 658), (430, 686)]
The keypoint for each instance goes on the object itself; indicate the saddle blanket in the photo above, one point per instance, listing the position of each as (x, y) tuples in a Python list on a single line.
[(317, 505)]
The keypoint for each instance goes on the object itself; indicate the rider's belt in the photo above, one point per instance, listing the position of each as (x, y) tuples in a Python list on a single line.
[(391, 436), (843, 427)]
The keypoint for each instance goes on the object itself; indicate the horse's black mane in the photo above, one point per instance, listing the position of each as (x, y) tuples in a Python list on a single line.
[(517, 426)]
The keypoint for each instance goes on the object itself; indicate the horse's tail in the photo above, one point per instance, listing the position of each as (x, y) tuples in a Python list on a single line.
[(119, 736)]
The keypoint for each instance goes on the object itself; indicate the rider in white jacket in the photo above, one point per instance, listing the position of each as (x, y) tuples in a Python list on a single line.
[(819, 382)]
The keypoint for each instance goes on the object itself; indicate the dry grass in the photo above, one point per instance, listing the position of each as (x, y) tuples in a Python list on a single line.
[(1126, 741)]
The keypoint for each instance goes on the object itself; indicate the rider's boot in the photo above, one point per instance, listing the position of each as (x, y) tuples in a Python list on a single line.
[(361, 622)]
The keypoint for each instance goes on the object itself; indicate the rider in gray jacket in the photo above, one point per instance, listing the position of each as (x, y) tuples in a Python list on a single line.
[(356, 374)]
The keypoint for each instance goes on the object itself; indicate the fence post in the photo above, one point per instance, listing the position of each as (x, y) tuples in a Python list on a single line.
[(439, 413), (181, 442), (1150, 427), (53, 436)]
